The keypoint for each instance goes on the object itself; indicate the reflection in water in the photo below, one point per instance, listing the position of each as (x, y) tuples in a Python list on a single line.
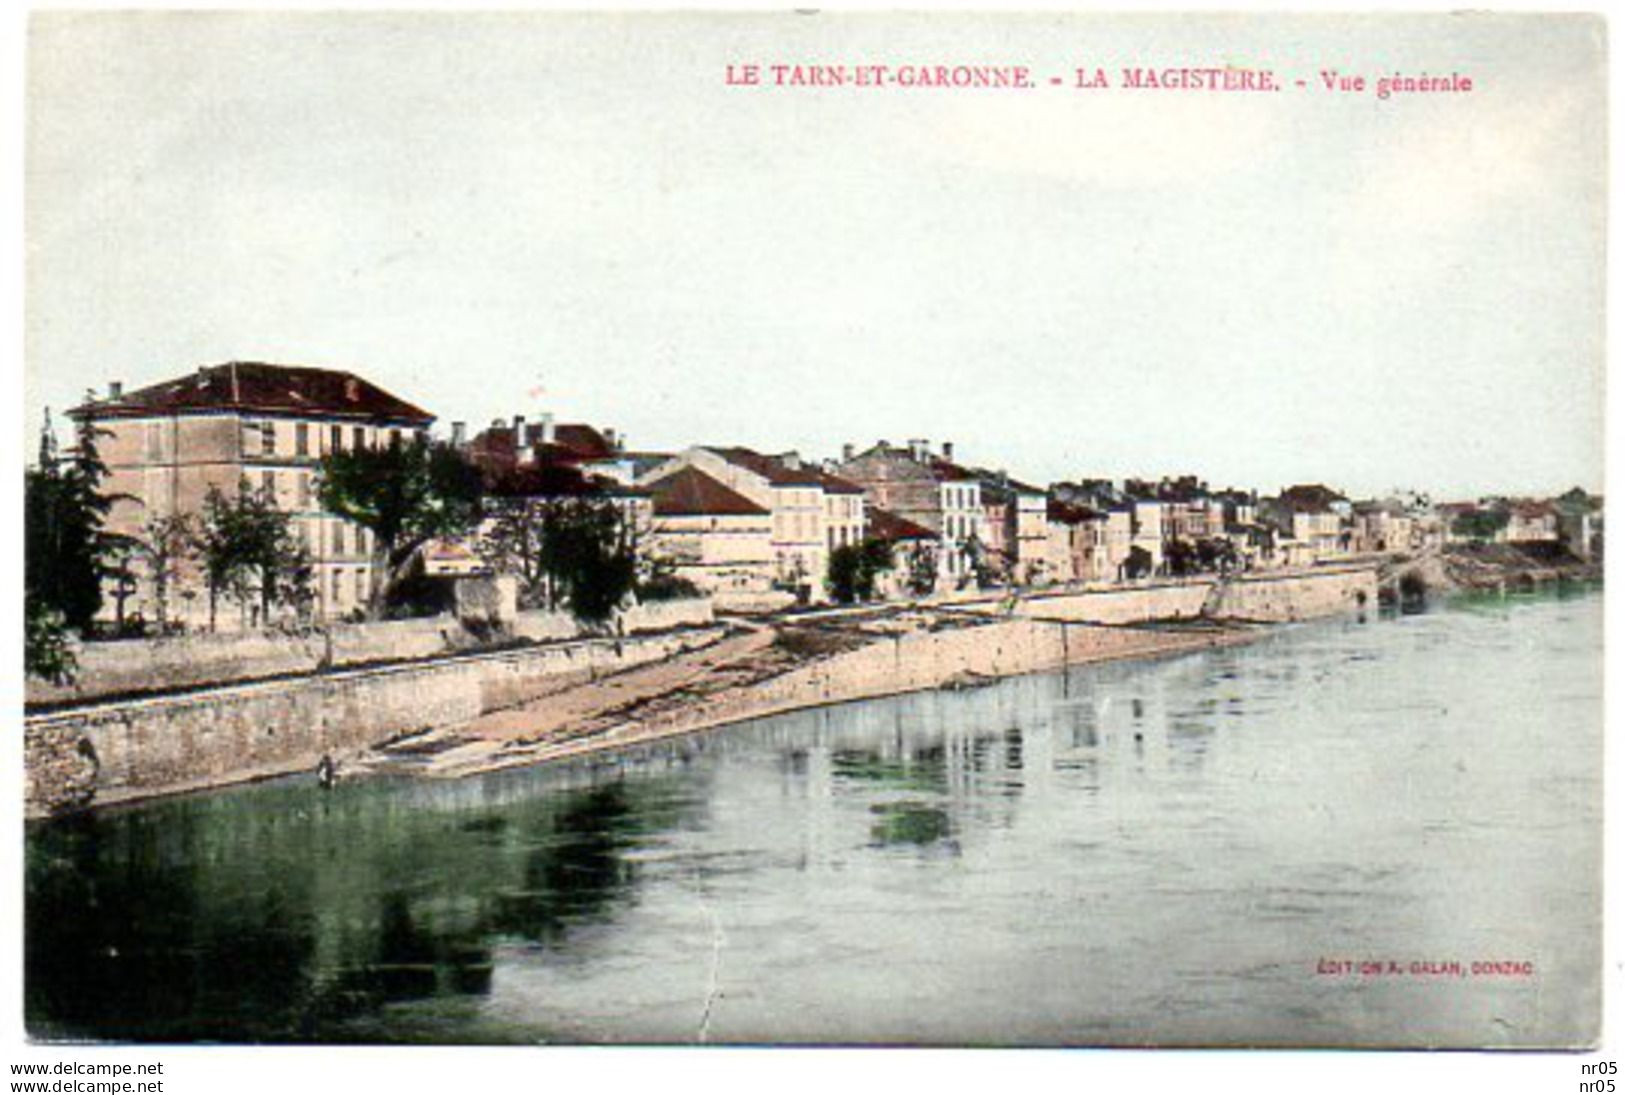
[(1121, 853)]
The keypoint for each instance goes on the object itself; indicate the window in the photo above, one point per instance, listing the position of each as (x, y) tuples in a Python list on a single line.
[(305, 493), (338, 538), (337, 588), (268, 438), (268, 484), (394, 439), (335, 441), (359, 436), (360, 584), (301, 439)]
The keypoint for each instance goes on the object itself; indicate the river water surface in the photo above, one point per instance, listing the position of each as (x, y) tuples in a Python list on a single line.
[(1183, 851)]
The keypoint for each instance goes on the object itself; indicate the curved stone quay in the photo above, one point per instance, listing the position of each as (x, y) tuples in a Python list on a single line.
[(473, 711)]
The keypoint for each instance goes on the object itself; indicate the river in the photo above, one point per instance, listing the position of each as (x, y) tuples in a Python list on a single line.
[(1374, 831)]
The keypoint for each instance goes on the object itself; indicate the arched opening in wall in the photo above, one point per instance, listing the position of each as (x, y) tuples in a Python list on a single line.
[(1360, 597)]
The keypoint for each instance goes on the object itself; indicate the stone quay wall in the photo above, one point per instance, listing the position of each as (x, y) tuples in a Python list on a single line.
[(1271, 596), (143, 666), (137, 748), (131, 748)]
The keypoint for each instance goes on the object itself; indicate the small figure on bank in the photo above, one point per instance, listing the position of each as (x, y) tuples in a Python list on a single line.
[(327, 773)]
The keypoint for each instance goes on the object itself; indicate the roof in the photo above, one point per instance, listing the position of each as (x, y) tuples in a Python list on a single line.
[(1065, 513), (263, 388), (688, 491), (573, 442), (549, 481), (834, 484), (771, 468), (946, 471), (998, 486), (1309, 498), (892, 528)]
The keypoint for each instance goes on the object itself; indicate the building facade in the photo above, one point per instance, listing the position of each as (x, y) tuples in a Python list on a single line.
[(166, 446)]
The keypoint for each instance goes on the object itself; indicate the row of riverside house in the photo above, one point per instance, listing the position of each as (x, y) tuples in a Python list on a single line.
[(755, 531)]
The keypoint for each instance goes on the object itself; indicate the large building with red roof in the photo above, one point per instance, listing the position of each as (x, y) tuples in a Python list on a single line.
[(167, 444), (711, 535), (813, 512), (931, 490)]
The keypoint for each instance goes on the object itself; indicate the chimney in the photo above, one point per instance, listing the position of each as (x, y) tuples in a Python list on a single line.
[(948, 451), (548, 433), (848, 451), (459, 434), (616, 441), (918, 449), (791, 460), (518, 429), (115, 389)]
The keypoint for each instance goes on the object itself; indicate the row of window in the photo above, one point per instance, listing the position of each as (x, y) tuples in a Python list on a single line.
[(960, 497), (260, 437)]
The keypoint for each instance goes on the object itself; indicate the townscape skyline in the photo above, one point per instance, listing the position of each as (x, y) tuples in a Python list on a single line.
[(516, 214)]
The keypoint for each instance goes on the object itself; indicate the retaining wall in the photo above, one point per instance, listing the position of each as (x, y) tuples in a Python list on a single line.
[(159, 745), (143, 666), (1271, 596)]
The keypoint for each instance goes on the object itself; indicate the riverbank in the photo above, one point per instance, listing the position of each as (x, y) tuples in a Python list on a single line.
[(1466, 568), (454, 716), (771, 671)]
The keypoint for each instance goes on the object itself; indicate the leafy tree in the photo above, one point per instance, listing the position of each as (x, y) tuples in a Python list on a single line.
[(1181, 557), (249, 551), (592, 558), (46, 649), (406, 493), (167, 541), (854, 570), (1216, 554), (1480, 525), (579, 553), (664, 584), (922, 571), (513, 541), (66, 550)]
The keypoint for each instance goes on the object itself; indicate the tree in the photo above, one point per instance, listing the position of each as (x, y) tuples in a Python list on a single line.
[(513, 542), (1481, 525), (922, 571), (854, 570), (663, 583), (46, 650), (406, 494), (167, 541), (1181, 557), (579, 553), (591, 557), (66, 550), (249, 551)]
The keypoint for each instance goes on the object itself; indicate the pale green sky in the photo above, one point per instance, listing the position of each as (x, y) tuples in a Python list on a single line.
[(1262, 289)]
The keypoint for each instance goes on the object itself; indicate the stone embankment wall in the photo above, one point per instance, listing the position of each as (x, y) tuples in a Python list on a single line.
[(137, 748), (1287, 597), (918, 661), (139, 666), (1269, 597)]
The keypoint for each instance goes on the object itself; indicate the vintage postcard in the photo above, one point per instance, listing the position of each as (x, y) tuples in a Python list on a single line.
[(814, 528)]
